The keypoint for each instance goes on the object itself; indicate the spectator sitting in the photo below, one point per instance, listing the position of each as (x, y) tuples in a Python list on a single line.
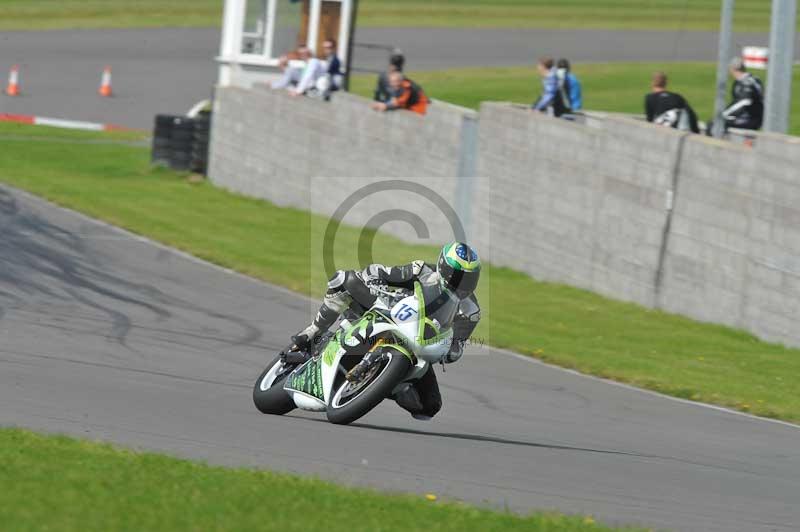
[(746, 110), (551, 101), (292, 65), (396, 63), (569, 86), (669, 108), (405, 95), (301, 74), (333, 78)]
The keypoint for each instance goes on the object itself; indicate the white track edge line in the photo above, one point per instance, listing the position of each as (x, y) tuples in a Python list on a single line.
[(68, 124), (286, 291)]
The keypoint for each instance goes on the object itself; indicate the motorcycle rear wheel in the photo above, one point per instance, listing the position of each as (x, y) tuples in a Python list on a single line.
[(268, 393), (350, 402)]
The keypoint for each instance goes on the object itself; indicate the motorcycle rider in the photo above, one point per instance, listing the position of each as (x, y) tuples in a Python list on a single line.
[(746, 110), (455, 275)]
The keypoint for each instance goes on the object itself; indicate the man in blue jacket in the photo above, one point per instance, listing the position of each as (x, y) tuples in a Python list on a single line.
[(551, 101), (569, 86)]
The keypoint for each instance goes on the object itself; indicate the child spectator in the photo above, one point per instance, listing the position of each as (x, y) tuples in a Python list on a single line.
[(669, 109), (551, 101), (569, 86), (396, 63), (405, 94)]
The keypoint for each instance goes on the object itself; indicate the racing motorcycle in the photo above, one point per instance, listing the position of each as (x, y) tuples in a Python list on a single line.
[(397, 339)]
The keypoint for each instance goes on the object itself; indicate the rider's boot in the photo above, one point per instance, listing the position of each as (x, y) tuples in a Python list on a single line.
[(298, 352), (408, 398), (336, 301)]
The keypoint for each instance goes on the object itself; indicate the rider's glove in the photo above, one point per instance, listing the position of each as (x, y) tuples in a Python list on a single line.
[(456, 350), (375, 285)]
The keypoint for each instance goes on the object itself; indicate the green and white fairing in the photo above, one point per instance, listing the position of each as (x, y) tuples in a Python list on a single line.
[(403, 327)]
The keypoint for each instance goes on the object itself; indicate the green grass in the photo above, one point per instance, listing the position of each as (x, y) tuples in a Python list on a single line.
[(751, 15), (62, 484), (563, 325), (59, 14), (616, 87)]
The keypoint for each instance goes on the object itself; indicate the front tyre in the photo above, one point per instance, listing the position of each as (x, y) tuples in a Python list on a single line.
[(268, 393), (351, 401)]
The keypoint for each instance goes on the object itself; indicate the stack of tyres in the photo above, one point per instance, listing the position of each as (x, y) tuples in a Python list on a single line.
[(202, 126), (162, 141), (181, 141)]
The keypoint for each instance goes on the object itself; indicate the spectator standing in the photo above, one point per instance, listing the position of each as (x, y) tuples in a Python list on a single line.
[(569, 86), (746, 110), (405, 94), (551, 101), (669, 109), (396, 63)]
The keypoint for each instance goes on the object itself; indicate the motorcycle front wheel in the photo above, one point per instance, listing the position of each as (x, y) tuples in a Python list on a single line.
[(351, 401), (268, 393)]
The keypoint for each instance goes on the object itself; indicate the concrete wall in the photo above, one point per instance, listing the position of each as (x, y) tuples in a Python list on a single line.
[(268, 145), (575, 204), (633, 211), (733, 253)]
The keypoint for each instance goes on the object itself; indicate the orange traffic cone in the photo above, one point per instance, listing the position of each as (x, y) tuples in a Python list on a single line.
[(105, 83), (13, 81)]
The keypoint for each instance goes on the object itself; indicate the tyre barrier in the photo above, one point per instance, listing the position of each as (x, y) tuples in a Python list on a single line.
[(181, 143), (200, 141)]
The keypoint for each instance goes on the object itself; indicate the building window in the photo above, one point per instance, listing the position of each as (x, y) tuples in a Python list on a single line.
[(254, 31), (290, 17)]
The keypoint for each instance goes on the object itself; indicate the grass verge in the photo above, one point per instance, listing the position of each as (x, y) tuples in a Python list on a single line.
[(751, 15), (559, 324), (614, 87), (94, 486)]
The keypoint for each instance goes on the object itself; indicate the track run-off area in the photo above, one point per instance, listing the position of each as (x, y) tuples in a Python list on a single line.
[(106, 335)]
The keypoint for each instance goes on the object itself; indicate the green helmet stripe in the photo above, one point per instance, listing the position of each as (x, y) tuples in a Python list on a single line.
[(456, 262)]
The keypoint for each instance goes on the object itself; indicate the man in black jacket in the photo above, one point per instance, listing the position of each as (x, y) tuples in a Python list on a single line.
[(667, 108), (746, 110)]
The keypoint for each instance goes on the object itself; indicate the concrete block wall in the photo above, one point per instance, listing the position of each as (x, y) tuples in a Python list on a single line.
[(781, 147), (633, 211), (268, 145), (733, 254), (574, 204)]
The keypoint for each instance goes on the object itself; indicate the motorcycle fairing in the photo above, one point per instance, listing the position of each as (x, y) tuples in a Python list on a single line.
[(306, 387)]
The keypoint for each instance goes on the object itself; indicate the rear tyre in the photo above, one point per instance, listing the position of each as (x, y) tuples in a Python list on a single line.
[(350, 402), (268, 393)]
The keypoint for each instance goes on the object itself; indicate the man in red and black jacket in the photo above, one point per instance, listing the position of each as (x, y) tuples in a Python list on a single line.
[(405, 95)]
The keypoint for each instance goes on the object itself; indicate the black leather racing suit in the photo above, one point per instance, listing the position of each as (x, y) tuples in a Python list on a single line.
[(354, 290), (746, 110)]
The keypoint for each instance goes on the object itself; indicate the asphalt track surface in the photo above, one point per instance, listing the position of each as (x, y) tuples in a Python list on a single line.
[(168, 70), (107, 336)]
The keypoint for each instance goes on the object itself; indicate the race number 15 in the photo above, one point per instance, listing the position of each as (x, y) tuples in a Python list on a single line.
[(404, 312)]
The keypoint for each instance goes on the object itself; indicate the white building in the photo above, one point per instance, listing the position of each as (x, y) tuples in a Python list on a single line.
[(255, 33)]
